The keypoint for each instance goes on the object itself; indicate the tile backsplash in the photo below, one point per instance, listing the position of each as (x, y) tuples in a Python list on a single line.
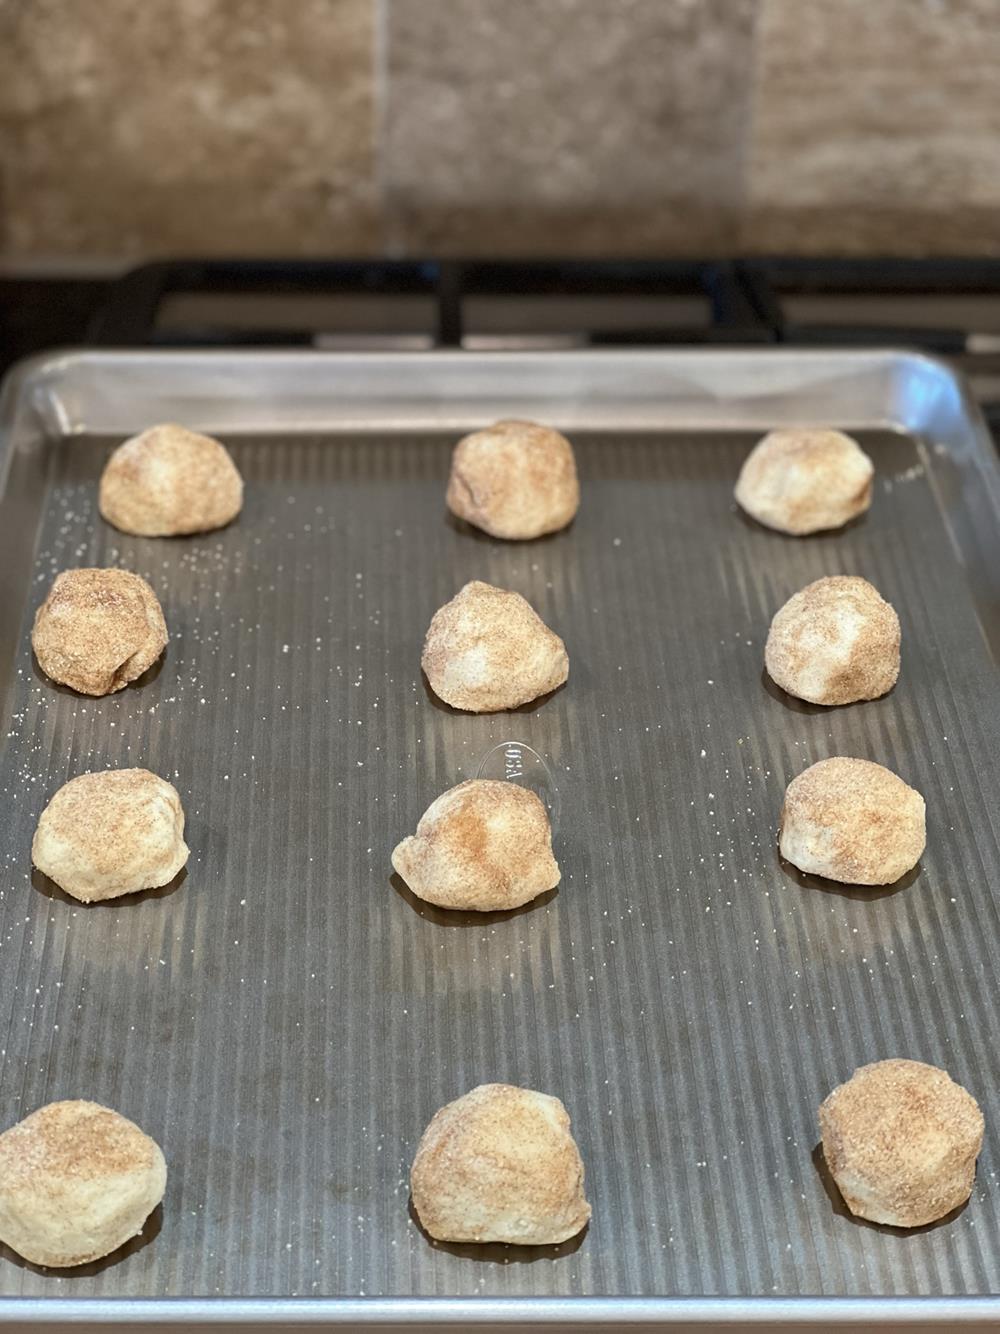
[(499, 127)]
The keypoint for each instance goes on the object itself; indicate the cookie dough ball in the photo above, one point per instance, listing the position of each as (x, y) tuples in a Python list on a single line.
[(98, 630), (834, 642), (514, 479), (500, 1164), (77, 1180), (853, 821), (901, 1140), (111, 833), (168, 481), (802, 481), (488, 649), (483, 845)]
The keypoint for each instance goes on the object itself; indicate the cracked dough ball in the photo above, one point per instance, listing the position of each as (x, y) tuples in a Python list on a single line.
[(488, 649), (901, 1140), (77, 1181), (168, 481), (111, 833), (98, 630), (483, 845), (835, 642), (500, 1164), (852, 821), (801, 481), (515, 479)]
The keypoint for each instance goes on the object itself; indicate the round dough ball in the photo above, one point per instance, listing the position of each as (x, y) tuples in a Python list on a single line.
[(515, 479), (834, 642), (500, 1164), (901, 1140), (111, 833), (483, 845), (488, 649), (852, 821), (168, 481), (801, 481), (77, 1180), (98, 630)]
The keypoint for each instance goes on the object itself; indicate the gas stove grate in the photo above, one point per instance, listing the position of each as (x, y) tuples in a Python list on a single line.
[(948, 308)]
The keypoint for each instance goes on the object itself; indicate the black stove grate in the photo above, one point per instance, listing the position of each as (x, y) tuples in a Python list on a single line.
[(884, 302), (645, 302), (945, 307)]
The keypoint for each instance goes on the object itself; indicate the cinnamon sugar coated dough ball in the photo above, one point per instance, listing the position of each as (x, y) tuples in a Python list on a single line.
[(515, 479), (488, 649), (168, 481), (801, 481), (98, 630), (483, 845), (852, 821), (834, 642), (901, 1140), (77, 1180), (111, 833), (500, 1164)]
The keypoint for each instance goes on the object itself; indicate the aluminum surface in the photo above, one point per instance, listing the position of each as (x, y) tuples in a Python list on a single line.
[(286, 1019)]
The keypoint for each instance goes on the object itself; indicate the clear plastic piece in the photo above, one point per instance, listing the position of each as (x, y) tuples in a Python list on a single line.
[(517, 762)]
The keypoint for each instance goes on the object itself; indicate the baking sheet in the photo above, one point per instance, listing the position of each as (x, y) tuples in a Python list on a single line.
[(287, 1018)]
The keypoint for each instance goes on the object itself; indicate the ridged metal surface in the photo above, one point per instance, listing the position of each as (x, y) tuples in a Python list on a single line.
[(286, 1020)]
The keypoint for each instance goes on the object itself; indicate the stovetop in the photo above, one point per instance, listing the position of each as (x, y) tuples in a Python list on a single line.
[(950, 308)]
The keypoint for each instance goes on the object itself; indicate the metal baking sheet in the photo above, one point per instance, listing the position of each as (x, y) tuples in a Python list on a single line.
[(287, 1018)]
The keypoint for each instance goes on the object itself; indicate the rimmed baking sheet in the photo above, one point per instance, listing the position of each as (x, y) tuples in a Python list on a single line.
[(287, 1018)]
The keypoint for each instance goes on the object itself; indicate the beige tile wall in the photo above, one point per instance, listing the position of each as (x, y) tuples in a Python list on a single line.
[(149, 127), (876, 127), (603, 127), (565, 126)]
